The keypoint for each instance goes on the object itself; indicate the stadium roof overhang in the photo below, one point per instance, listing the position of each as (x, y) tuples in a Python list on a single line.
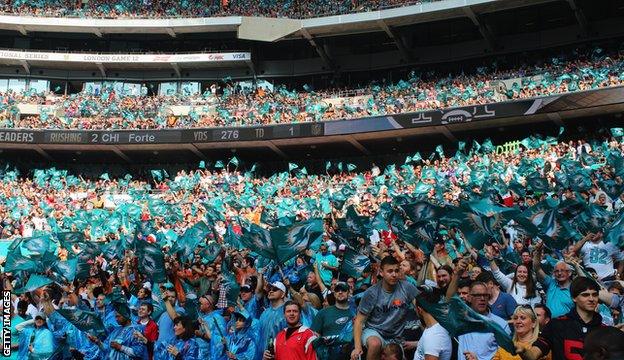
[(271, 29)]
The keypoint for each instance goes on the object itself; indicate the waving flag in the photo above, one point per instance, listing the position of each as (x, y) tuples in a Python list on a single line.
[(187, 243), (86, 321), (284, 242), (458, 319), (480, 221), (615, 232), (35, 282), (66, 269), (151, 261), (553, 228), (354, 263), (422, 211), (15, 261)]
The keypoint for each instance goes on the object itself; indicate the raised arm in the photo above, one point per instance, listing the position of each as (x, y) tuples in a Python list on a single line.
[(318, 278), (579, 244), (537, 261), (462, 265)]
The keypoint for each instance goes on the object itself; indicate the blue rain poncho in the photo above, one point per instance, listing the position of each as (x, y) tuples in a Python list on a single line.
[(189, 350), (132, 348), (213, 349), (271, 322), (242, 343), (42, 341), (75, 338)]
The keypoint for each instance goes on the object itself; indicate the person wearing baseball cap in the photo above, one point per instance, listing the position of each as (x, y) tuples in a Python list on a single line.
[(36, 341), (250, 302), (121, 343), (272, 319), (331, 321), (241, 342)]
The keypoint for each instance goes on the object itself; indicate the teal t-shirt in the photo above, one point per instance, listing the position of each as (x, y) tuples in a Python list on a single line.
[(331, 320)]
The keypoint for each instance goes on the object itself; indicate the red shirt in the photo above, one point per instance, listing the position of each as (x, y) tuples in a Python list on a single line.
[(151, 334), (297, 347)]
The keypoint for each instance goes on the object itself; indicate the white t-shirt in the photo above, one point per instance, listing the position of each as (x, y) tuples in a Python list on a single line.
[(599, 256), (434, 341)]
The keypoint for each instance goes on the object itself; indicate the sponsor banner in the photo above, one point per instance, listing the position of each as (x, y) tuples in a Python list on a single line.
[(124, 58), (566, 102)]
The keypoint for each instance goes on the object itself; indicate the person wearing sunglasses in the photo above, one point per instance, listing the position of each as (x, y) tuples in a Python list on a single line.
[(476, 345), (272, 319)]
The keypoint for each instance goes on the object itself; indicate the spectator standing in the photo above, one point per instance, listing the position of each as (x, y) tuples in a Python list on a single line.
[(294, 342), (558, 298), (382, 310), (565, 335), (435, 342)]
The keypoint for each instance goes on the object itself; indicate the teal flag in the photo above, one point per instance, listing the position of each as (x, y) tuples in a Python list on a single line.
[(35, 282), (66, 269), (105, 176), (16, 262), (422, 211), (36, 245), (354, 264), (480, 221), (615, 232), (284, 242), (86, 321), (459, 319), (537, 183), (292, 166), (234, 161), (151, 261), (595, 218), (617, 132), (186, 244), (553, 228)]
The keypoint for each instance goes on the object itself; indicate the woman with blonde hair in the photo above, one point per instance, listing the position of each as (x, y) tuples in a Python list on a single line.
[(526, 331)]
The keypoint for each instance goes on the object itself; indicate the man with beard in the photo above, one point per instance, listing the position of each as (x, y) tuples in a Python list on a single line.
[(331, 322), (272, 319)]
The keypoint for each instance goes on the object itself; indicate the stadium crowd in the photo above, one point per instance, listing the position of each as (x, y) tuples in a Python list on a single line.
[(435, 258), (114, 9), (579, 70)]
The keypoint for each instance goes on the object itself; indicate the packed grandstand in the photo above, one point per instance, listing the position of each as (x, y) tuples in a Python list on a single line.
[(171, 9), (462, 209)]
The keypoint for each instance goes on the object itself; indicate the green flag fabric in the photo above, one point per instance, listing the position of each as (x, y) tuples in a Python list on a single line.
[(86, 321), (458, 319)]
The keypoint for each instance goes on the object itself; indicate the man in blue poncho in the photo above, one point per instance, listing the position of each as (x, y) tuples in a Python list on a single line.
[(121, 343), (242, 337), (272, 319), (106, 313), (36, 342), (64, 331), (165, 322), (209, 319)]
